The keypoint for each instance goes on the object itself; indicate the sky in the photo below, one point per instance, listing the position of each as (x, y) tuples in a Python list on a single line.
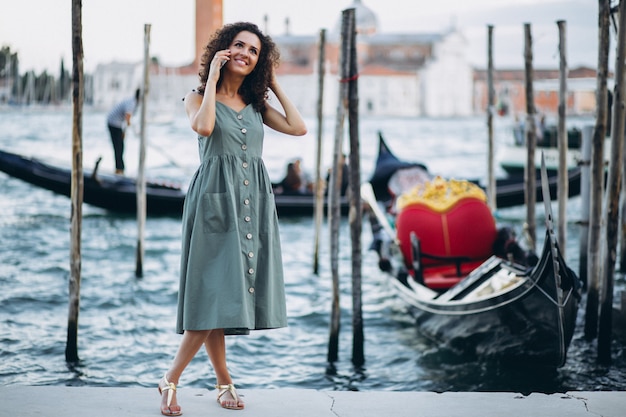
[(113, 30)]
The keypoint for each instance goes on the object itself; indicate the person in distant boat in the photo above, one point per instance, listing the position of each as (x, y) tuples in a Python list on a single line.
[(519, 131), (292, 183), (231, 274), (118, 120), (295, 182), (540, 129)]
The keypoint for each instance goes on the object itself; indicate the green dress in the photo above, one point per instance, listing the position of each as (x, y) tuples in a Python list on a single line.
[(231, 274)]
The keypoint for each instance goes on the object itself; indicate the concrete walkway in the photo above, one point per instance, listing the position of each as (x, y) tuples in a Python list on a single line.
[(46, 401)]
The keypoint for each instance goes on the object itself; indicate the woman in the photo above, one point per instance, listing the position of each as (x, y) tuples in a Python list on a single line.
[(231, 268)]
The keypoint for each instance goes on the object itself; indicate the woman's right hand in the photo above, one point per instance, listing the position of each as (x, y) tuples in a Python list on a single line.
[(220, 59)]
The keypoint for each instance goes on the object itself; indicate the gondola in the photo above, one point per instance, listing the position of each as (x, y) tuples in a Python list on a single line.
[(499, 310), (117, 193), (509, 190), (512, 155)]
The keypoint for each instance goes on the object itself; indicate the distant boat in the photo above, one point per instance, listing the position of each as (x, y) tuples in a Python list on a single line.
[(118, 193), (509, 190), (512, 156), (111, 192)]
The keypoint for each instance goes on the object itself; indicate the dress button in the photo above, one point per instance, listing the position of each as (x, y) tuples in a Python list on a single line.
[(251, 290), (246, 201), (246, 182), (244, 130), (245, 165), (239, 117), (251, 271), (244, 147), (249, 236), (250, 254), (247, 218)]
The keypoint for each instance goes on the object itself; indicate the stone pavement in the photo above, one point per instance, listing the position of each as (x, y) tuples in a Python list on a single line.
[(27, 401)]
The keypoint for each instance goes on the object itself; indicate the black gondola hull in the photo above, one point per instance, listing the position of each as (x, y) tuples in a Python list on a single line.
[(118, 193), (529, 321), (110, 192), (529, 325)]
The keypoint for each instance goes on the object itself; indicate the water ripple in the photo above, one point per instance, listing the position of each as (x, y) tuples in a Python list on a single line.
[(126, 324)]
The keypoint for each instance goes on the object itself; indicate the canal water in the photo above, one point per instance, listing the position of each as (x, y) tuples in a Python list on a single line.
[(126, 324)]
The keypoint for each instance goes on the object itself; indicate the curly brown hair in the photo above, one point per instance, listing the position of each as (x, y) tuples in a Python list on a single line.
[(254, 89)]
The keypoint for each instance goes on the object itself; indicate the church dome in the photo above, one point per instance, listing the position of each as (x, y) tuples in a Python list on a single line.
[(366, 20)]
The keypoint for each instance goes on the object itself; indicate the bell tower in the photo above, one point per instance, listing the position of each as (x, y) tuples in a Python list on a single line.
[(209, 18)]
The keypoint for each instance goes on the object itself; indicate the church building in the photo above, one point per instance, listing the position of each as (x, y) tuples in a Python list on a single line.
[(400, 74)]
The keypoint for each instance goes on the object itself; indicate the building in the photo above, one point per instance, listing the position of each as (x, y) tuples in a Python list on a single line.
[(400, 74), (510, 91), (115, 81), (403, 74)]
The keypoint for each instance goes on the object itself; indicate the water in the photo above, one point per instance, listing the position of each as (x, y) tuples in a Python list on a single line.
[(126, 324)]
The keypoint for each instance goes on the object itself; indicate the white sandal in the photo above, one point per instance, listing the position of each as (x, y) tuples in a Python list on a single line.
[(231, 389), (171, 387)]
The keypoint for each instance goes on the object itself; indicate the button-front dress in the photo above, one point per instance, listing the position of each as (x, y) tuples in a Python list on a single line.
[(231, 273)]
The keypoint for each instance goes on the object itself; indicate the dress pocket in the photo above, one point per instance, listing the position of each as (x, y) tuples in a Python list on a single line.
[(267, 214), (218, 213)]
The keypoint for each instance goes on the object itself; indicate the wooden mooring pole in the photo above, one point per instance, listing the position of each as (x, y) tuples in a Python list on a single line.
[(613, 189), (530, 179), (356, 211), (594, 266), (562, 138), (334, 188), (491, 178), (141, 178), (76, 194), (319, 181), (585, 190)]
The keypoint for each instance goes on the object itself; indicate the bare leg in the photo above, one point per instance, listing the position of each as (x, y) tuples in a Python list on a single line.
[(189, 346), (216, 348)]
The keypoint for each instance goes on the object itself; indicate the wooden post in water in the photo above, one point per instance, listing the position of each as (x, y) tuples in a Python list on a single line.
[(141, 179), (319, 181), (71, 347), (585, 190), (613, 189), (334, 189), (530, 179), (622, 245), (491, 179), (594, 266), (563, 188), (356, 211)]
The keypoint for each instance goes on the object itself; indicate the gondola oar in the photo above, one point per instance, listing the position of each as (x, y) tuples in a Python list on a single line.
[(165, 155), (367, 194), (545, 189), (553, 250)]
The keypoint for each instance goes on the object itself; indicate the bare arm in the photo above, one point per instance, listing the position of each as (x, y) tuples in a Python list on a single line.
[(201, 108), (291, 122), (201, 111)]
